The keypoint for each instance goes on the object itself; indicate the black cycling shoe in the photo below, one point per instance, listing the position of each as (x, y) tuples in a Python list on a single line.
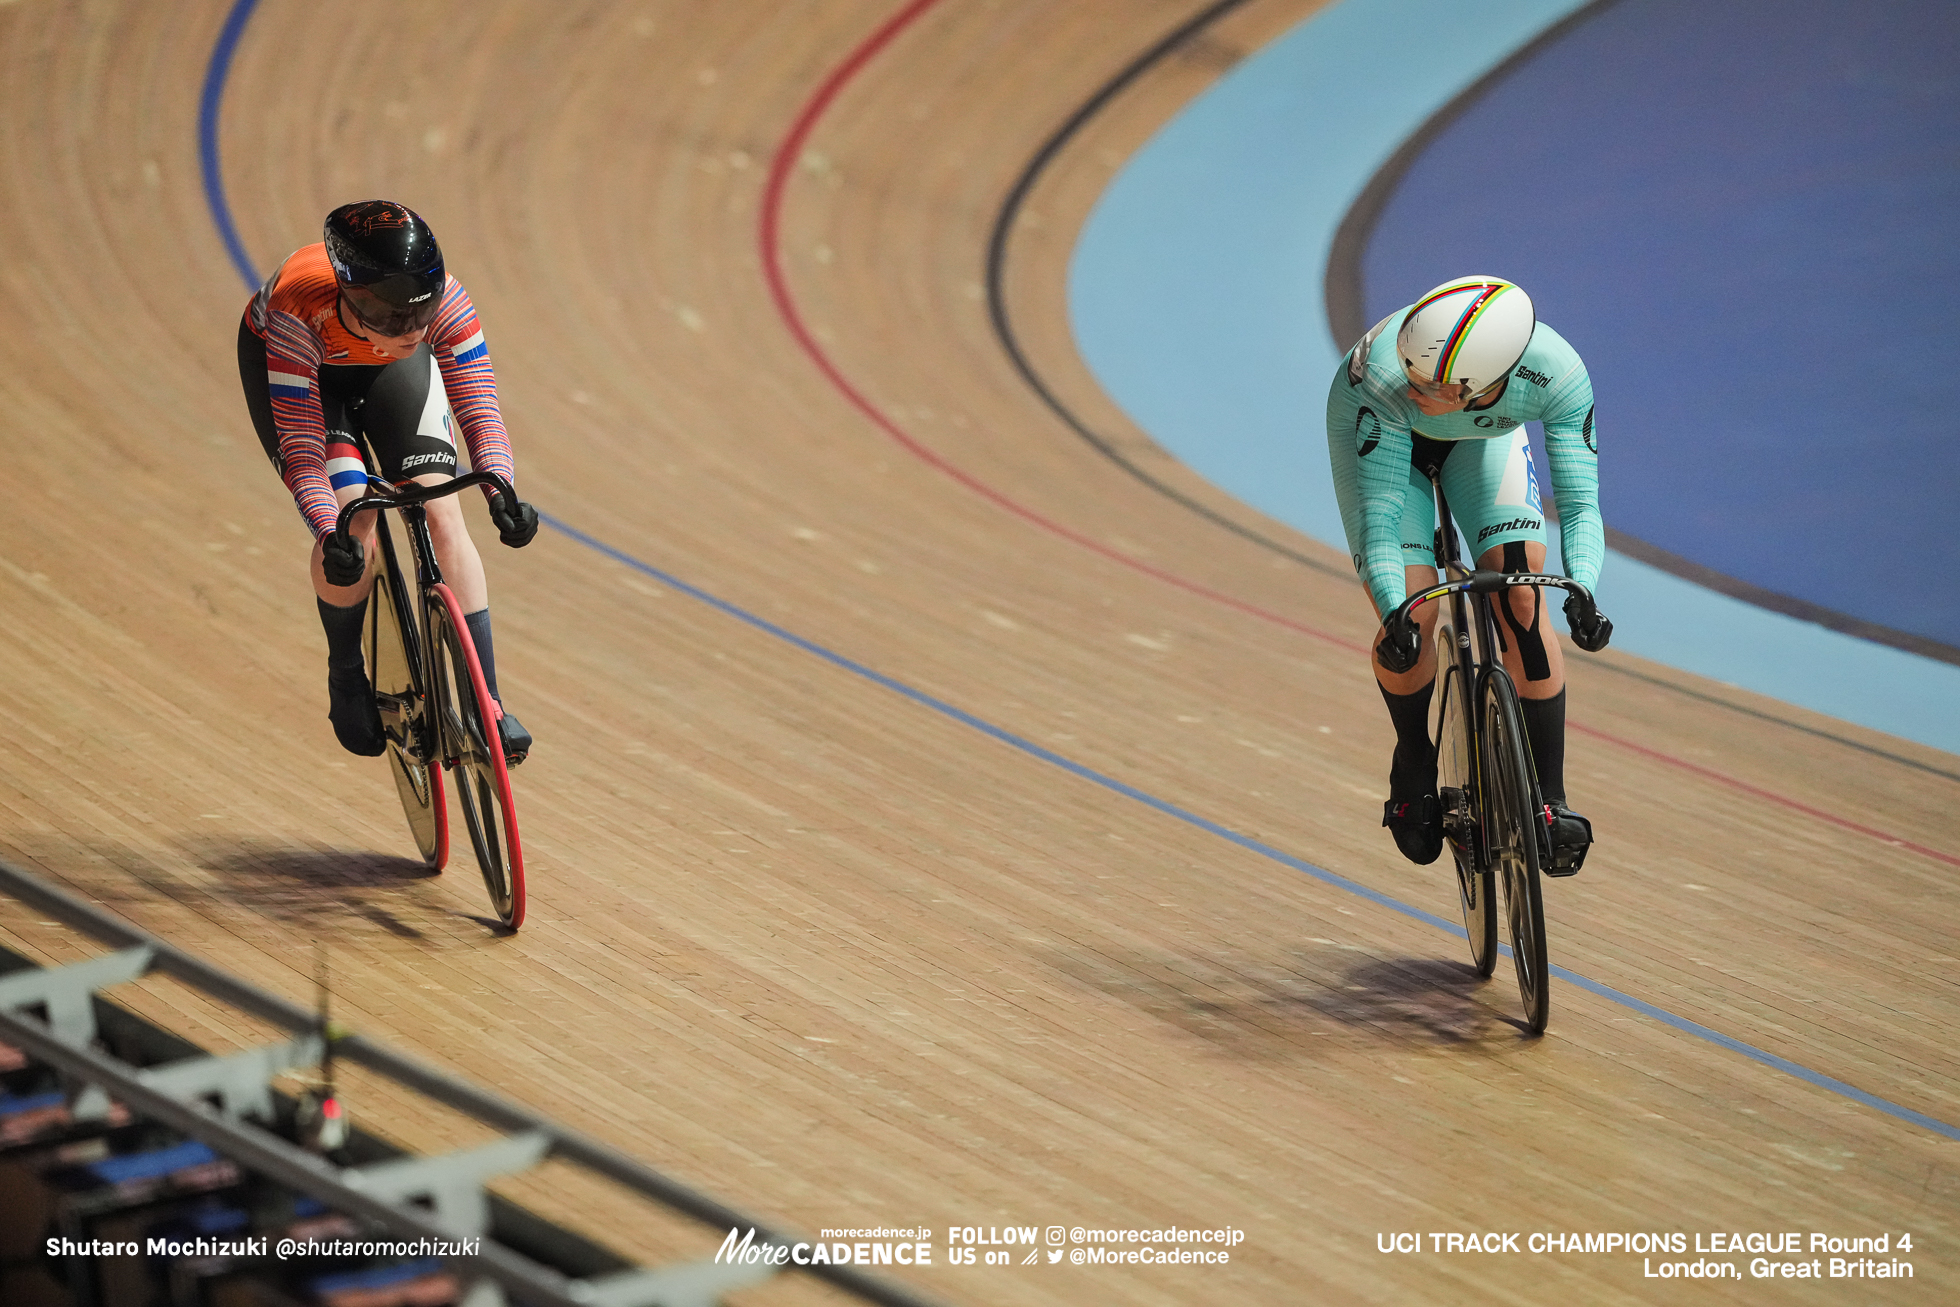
[(356, 721), (515, 739), (1571, 837), (1417, 825)]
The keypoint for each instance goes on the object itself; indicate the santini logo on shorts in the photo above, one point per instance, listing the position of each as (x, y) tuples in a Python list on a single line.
[(416, 460), (1515, 524)]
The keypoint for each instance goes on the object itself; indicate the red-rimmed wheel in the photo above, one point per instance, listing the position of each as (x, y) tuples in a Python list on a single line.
[(467, 719)]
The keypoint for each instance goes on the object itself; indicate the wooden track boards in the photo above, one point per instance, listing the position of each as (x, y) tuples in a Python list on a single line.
[(795, 937)]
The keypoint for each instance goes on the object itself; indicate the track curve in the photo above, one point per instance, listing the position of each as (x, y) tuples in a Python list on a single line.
[(792, 937)]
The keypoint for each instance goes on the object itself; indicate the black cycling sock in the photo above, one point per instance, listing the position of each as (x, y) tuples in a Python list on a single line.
[(344, 627), (1414, 768), (1544, 726), (486, 655)]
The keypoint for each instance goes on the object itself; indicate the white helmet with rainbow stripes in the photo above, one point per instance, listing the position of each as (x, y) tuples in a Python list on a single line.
[(1469, 332)]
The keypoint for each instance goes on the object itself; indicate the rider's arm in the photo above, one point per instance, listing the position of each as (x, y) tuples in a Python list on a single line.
[(456, 337), (1374, 425), (292, 365), (1571, 446)]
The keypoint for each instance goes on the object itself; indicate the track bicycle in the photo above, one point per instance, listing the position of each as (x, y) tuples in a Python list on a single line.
[(436, 711), (1495, 822)]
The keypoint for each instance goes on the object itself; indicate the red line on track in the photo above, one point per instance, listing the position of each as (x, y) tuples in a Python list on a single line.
[(779, 173), (1771, 795), (769, 235)]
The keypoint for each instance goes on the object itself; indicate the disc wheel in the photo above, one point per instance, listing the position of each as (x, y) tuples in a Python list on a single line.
[(1456, 780), (468, 721), (393, 669), (1513, 840)]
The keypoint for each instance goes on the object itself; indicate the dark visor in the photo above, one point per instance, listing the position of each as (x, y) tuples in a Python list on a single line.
[(388, 318)]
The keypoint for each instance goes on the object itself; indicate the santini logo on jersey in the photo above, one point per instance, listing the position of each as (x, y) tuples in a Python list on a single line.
[(1535, 378), (1515, 524)]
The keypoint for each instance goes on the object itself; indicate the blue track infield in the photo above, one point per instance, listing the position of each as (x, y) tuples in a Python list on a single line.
[(1196, 296), (1753, 231)]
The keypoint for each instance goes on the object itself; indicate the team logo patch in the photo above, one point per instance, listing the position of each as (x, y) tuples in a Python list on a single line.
[(1519, 484), (1367, 432)]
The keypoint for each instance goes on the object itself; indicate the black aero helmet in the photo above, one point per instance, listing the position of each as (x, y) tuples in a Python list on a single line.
[(388, 265)]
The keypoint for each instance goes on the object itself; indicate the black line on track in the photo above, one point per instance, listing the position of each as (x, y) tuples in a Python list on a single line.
[(1345, 316), (997, 272)]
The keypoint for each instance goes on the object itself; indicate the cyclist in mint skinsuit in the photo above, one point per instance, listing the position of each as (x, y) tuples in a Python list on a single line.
[(1449, 382)]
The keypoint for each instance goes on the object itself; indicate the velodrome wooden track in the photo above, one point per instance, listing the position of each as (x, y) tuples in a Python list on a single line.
[(796, 938)]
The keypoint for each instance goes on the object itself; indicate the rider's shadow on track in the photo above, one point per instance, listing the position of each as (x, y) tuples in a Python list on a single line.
[(1319, 997), (283, 882), (291, 882)]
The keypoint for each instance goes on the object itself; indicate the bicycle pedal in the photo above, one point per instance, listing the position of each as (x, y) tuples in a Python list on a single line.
[(1457, 821), (512, 738)]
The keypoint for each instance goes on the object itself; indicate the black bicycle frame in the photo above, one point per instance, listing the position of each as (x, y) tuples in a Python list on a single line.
[(1468, 591), (410, 501)]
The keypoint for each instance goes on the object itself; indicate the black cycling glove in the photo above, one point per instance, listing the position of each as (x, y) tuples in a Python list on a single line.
[(1591, 629), (342, 559), (1400, 647), (515, 528)]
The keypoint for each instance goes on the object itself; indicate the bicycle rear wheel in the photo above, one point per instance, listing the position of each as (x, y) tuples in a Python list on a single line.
[(471, 745), (395, 670), (1456, 784), (1510, 813)]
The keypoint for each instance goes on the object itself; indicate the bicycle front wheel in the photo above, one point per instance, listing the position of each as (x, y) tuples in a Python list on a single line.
[(394, 669), (1456, 780), (468, 722), (1510, 812)]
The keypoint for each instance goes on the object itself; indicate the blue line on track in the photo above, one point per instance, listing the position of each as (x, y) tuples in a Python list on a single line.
[(214, 193), (212, 166), (1010, 739)]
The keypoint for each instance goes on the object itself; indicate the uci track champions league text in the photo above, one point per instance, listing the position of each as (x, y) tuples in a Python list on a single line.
[(1717, 1254)]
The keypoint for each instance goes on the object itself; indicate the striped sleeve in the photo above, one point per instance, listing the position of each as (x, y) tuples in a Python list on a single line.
[(1572, 448), (1369, 442), (464, 358), (311, 470)]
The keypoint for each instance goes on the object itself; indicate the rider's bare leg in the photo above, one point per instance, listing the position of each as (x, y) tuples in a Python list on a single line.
[(462, 570), (462, 566), (1535, 660), (1413, 680), (1532, 654), (362, 529)]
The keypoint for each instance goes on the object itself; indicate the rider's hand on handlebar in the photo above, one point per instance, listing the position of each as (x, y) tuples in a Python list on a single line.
[(342, 560), (1590, 628), (514, 527), (1400, 647)]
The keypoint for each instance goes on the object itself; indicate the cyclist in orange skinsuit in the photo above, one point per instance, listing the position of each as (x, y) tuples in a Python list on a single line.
[(366, 333)]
